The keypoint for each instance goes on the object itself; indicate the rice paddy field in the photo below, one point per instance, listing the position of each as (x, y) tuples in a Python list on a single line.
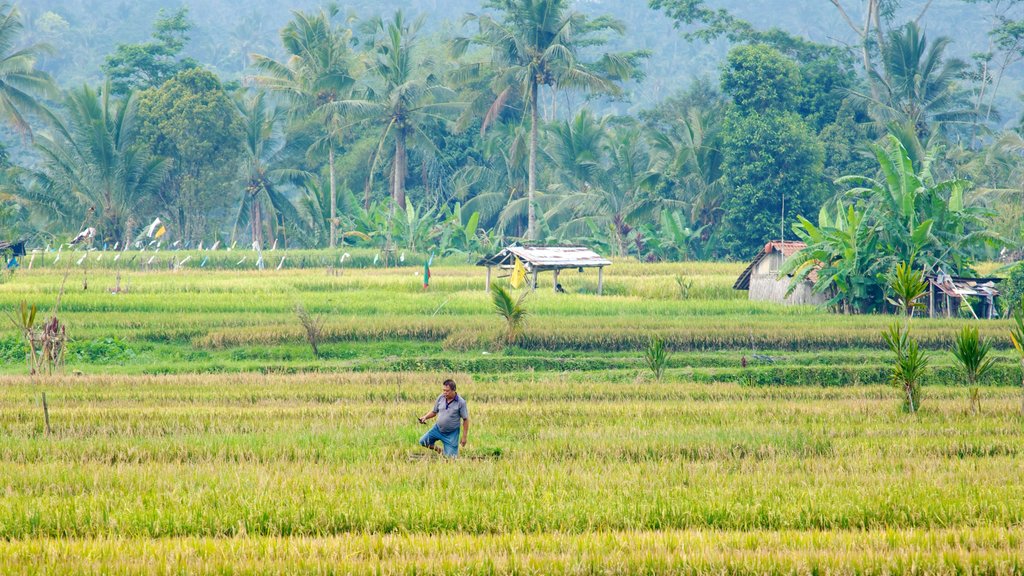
[(194, 432)]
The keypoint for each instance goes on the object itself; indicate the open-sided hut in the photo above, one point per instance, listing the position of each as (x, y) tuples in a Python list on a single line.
[(947, 294), (538, 259), (761, 278)]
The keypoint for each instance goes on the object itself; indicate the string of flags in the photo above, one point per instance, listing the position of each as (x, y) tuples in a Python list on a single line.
[(152, 239)]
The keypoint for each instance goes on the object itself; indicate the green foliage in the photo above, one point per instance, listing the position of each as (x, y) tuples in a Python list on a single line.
[(909, 287), (917, 85), (95, 170), (149, 64), (316, 79), (192, 120), (109, 350), (972, 355), (512, 311), (770, 160), (909, 366), (905, 216), (23, 88), (657, 355), (531, 47), (1011, 290), (264, 204), (760, 79)]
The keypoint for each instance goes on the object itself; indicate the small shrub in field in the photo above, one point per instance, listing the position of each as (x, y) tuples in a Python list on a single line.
[(513, 311), (108, 350), (683, 284), (909, 287), (313, 327), (971, 353), (657, 356), (908, 367)]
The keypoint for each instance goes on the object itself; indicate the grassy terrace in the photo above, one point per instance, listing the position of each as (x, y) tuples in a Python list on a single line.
[(194, 432)]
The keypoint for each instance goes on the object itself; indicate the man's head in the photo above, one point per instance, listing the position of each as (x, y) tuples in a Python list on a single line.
[(449, 389)]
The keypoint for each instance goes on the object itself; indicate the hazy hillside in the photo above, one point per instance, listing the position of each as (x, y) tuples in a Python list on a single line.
[(227, 31)]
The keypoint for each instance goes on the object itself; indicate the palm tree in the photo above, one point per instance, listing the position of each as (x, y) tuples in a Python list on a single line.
[(21, 85), (318, 74), (511, 310), (537, 43), (917, 85), (262, 149), (400, 100), (496, 186), (609, 192), (98, 170), (689, 160)]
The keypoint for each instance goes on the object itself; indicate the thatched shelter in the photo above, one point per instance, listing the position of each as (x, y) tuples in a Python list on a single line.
[(538, 259), (762, 282)]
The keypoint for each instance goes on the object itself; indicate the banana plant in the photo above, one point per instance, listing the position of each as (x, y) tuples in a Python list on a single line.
[(459, 234)]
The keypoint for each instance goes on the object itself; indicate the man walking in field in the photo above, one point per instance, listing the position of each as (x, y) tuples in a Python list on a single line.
[(450, 409)]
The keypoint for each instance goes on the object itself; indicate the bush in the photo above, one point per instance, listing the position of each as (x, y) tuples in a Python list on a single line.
[(1011, 290), (110, 350)]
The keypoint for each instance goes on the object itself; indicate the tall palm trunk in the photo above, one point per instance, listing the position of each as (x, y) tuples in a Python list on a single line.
[(256, 219), (401, 169), (531, 188), (334, 200)]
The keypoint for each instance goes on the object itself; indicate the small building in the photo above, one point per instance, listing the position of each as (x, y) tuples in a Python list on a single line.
[(537, 259), (16, 247), (761, 278), (948, 294)]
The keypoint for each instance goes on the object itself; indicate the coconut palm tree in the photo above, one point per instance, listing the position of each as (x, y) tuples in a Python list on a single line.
[(609, 194), (496, 187), (689, 161), (262, 171), (403, 98), (21, 85), (536, 44), (94, 171), (917, 84), (317, 75)]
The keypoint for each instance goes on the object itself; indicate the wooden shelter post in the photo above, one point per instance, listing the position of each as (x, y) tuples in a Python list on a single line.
[(487, 285), (555, 287), (534, 278), (600, 280), (931, 298)]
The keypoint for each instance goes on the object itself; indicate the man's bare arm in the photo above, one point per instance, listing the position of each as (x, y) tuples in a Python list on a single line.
[(465, 431), (423, 419)]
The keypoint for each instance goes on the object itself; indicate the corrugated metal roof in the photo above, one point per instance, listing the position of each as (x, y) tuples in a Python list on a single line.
[(546, 257)]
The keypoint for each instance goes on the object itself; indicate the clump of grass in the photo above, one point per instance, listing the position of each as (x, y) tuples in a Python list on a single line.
[(657, 355)]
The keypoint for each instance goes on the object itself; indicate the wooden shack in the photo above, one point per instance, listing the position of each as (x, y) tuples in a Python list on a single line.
[(761, 278), (17, 247), (947, 295), (537, 259)]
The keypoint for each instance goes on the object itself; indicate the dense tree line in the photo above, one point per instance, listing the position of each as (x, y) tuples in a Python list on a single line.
[(380, 132)]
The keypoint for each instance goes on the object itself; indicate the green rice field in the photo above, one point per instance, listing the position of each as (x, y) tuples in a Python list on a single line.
[(194, 432)]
